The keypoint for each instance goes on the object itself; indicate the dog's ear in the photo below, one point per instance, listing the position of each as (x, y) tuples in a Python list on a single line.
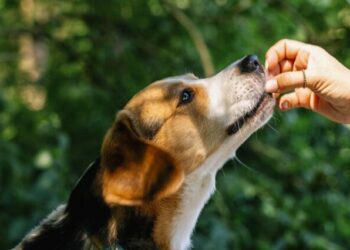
[(135, 172)]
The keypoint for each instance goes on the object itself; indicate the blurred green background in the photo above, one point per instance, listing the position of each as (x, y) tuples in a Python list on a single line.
[(66, 67)]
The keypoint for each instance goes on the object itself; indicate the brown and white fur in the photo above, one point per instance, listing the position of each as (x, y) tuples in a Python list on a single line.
[(158, 163)]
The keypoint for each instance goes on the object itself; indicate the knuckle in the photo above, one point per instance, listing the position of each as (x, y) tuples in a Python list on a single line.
[(313, 77), (285, 40), (281, 42)]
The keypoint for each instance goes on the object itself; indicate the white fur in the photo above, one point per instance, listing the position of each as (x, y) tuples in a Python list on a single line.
[(198, 187), (225, 105), (200, 184), (217, 107), (197, 190)]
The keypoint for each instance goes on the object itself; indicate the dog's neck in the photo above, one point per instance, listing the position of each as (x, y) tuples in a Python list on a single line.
[(90, 223), (166, 224), (197, 189)]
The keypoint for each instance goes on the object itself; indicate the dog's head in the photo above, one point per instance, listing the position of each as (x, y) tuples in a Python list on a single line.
[(171, 127)]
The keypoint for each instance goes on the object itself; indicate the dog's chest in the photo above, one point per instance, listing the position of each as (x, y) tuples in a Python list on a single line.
[(196, 192)]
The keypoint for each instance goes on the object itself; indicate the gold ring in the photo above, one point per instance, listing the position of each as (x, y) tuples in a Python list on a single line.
[(304, 78)]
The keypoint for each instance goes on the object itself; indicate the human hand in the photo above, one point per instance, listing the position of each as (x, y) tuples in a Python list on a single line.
[(327, 89)]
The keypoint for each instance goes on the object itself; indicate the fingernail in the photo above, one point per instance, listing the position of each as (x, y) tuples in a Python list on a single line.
[(285, 105), (276, 95), (271, 86), (267, 65)]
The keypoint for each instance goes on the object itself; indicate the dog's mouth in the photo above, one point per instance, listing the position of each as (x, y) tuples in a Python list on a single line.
[(239, 123)]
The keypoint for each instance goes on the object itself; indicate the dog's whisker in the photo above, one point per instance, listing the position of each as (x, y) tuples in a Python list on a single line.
[(245, 165), (273, 128), (223, 172), (276, 117), (147, 138)]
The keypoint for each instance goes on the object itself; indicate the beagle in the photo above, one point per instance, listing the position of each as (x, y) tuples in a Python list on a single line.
[(158, 163)]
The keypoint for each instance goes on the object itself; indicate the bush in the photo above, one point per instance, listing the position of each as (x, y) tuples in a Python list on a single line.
[(90, 57)]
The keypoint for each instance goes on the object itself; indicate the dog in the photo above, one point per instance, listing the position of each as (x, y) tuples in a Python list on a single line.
[(158, 163)]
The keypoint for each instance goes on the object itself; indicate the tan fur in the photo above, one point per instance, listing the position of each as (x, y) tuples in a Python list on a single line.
[(185, 133), (185, 137), (160, 157), (155, 143), (135, 172)]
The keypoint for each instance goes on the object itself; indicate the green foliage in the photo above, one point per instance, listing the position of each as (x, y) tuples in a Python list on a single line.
[(293, 192)]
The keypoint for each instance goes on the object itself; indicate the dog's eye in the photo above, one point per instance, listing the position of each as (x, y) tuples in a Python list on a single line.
[(186, 96)]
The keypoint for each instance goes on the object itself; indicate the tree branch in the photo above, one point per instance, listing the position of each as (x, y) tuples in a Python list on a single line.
[(196, 37)]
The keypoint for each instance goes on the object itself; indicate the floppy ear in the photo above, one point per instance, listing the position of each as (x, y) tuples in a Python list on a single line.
[(135, 172)]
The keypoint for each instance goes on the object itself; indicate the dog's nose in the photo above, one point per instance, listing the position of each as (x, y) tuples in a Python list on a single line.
[(249, 64)]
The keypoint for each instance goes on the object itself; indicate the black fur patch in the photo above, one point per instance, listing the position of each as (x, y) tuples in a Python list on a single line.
[(56, 235), (135, 231), (86, 205), (87, 215)]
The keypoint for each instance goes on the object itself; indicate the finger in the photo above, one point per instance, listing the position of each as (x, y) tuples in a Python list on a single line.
[(289, 81), (301, 60), (286, 65), (283, 49), (300, 98), (275, 71)]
